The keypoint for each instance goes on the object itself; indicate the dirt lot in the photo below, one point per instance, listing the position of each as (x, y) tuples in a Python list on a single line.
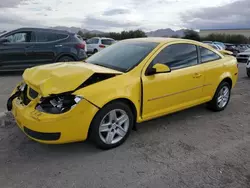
[(193, 148)]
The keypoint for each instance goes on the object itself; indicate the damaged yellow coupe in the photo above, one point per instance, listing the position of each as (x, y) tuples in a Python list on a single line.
[(132, 81)]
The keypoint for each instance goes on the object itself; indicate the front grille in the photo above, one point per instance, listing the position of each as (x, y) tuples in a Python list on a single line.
[(244, 56), (242, 60)]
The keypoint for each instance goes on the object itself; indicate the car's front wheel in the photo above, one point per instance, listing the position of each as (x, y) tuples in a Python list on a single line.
[(111, 125), (221, 97), (65, 59)]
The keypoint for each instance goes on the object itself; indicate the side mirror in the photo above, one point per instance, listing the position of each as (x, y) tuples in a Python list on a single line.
[(158, 68), (4, 40)]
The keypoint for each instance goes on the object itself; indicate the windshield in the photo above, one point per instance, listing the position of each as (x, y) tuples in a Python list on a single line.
[(122, 56)]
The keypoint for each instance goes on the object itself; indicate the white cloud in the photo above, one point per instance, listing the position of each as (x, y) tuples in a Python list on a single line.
[(108, 15)]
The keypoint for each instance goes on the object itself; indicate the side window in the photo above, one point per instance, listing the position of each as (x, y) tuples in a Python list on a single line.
[(19, 37), (208, 55), (95, 41), (42, 36), (107, 41), (178, 56), (60, 36)]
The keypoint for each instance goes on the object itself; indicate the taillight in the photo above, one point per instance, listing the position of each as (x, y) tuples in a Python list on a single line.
[(101, 46), (81, 46)]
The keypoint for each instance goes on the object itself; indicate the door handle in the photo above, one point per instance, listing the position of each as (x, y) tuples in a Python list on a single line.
[(59, 45), (197, 75)]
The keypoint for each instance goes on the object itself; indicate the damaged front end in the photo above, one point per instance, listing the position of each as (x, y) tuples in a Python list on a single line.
[(21, 93), (58, 103)]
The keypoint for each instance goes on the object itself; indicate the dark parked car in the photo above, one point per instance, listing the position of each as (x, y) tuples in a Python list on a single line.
[(28, 47), (232, 48)]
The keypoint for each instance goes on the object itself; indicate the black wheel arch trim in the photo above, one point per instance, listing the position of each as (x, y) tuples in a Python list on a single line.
[(66, 54)]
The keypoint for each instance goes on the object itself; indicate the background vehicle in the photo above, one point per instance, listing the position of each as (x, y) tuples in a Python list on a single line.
[(131, 81), (219, 45), (243, 56), (96, 44), (28, 47), (248, 68), (232, 48), (241, 47), (214, 46)]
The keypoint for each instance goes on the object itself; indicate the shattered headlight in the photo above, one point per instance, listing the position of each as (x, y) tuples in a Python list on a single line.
[(58, 104)]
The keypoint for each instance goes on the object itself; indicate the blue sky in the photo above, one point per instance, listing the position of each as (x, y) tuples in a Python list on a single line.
[(117, 15)]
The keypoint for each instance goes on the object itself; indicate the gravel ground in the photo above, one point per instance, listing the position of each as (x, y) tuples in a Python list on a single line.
[(192, 148)]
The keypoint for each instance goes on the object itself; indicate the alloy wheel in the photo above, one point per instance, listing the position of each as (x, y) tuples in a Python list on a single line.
[(114, 126), (223, 97)]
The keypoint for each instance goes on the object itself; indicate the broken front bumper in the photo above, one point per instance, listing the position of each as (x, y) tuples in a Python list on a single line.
[(71, 126)]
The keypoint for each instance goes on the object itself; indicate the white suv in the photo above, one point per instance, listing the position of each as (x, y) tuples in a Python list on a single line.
[(96, 44)]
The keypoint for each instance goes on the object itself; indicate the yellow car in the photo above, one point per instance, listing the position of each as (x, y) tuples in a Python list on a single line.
[(130, 82)]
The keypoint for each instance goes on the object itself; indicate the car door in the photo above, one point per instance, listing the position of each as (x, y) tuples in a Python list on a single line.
[(213, 69), (182, 87), (12, 53), (43, 50)]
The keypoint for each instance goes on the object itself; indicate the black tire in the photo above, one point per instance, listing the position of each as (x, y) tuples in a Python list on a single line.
[(96, 122), (248, 74), (95, 51), (65, 59), (213, 104)]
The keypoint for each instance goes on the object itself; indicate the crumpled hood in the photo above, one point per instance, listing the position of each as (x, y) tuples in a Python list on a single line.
[(61, 77)]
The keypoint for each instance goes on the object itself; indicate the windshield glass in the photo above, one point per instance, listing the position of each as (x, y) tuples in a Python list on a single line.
[(122, 56)]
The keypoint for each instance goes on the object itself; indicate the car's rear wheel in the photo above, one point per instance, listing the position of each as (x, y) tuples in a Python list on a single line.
[(221, 97), (65, 59), (95, 51), (111, 125)]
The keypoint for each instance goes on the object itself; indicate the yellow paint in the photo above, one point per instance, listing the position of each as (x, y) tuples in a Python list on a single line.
[(152, 96), (161, 68)]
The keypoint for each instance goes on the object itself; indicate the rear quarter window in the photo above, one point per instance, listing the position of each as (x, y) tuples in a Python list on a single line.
[(208, 55)]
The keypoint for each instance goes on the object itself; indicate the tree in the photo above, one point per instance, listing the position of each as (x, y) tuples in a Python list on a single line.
[(226, 38), (80, 33), (191, 34), (175, 36), (127, 34)]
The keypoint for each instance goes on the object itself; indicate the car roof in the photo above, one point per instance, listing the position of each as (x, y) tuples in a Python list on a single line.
[(162, 40), (43, 29), (102, 38)]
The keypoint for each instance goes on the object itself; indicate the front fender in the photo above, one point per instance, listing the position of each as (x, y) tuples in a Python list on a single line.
[(122, 87)]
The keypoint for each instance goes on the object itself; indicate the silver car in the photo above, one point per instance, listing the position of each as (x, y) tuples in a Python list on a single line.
[(243, 56)]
